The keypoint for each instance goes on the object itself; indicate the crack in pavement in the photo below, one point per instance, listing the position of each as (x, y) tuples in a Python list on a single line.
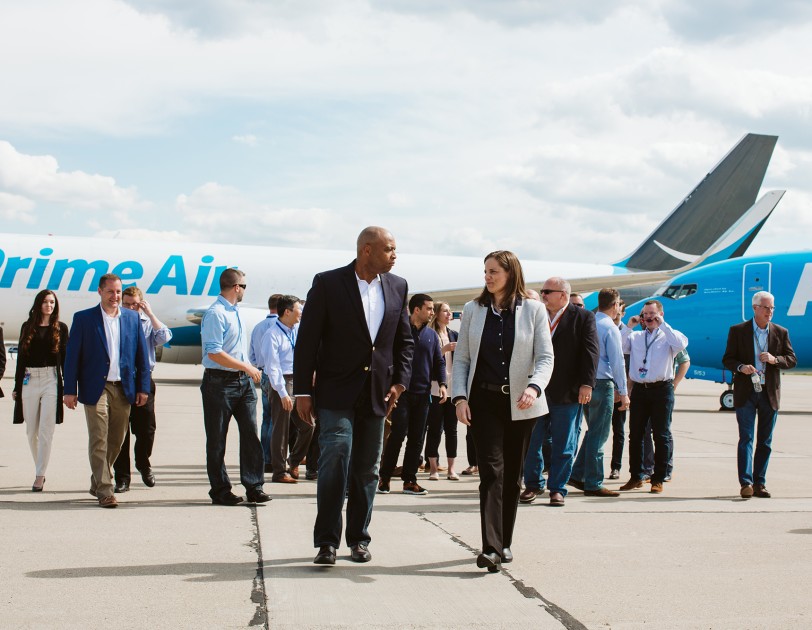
[(258, 594), (558, 613)]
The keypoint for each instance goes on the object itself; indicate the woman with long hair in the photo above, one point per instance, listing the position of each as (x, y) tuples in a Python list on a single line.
[(502, 364), (442, 417), (38, 379)]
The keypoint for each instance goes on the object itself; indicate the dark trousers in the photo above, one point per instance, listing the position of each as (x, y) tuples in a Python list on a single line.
[(281, 429), (650, 404), (442, 418), (408, 419), (618, 436), (313, 451), (501, 446), (470, 447), (142, 426), (226, 395)]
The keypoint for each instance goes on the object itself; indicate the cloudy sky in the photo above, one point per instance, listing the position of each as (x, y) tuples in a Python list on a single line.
[(562, 130)]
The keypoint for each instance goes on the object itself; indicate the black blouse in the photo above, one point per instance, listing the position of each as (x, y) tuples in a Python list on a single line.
[(496, 348)]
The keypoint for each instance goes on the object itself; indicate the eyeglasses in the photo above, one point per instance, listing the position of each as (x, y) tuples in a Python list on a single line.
[(548, 291), (242, 286), (769, 308)]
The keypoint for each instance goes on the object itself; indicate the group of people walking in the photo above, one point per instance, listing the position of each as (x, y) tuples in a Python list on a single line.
[(519, 374)]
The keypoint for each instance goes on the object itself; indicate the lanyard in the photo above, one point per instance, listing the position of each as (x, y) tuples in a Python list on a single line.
[(648, 343), (757, 339), (555, 321), (290, 336)]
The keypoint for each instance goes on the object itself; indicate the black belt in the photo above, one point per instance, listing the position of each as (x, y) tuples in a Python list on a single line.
[(655, 384), (223, 373), (502, 389)]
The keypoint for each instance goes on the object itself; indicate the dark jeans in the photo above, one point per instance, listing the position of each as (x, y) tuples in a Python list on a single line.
[(408, 418), (267, 418), (618, 436), (227, 394), (754, 471), (142, 425), (442, 418), (501, 446), (648, 453), (350, 441), (650, 404), (313, 451), (281, 429)]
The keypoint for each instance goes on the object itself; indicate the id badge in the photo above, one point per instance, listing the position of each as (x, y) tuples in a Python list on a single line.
[(26, 377), (642, 372), (762, 378)]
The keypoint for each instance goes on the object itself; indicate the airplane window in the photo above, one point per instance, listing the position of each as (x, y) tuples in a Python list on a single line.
[(672, 292), (686, 290)]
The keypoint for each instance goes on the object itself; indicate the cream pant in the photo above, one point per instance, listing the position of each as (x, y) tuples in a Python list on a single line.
[(107, 423), (39, 413)]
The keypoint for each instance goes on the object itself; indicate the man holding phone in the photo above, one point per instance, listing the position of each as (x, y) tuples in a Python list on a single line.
[(651, 368)]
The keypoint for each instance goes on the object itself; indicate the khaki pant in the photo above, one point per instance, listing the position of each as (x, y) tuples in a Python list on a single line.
[(39, 412), (107, 423)]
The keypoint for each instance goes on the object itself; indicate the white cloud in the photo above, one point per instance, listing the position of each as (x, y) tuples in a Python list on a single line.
[(247, 139), (16, 208)]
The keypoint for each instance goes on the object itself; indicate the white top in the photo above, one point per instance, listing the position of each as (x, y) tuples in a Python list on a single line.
[(374, 306), (112, 332), (435, 386), (652, 354)]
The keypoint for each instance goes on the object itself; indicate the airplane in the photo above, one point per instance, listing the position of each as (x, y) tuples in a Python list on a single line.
[(180, 279), (703, 303)]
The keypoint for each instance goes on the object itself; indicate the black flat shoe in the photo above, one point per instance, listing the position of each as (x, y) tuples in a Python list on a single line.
[(360, 553), (148, 477), (507, 555), (258, 496), (227, 499), (326, 555), (488, 561)]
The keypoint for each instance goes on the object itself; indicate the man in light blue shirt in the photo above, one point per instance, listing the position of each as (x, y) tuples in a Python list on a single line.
[(228, 390), (587, 474), (257, 360)]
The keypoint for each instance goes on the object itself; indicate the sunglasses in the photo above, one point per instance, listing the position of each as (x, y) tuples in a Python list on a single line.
[(242, 286), (548, 291)]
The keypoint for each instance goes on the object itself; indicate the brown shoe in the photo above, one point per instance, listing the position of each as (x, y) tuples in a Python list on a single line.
[(556, 499), (576, 483), (294, 472), (286, 478), (529, 495), (656, 487), (108, 502), (632, 484), (761, 491), (746, 491), (601, 492)]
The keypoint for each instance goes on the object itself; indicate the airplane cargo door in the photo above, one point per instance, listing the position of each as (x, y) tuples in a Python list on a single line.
[(755, 278)]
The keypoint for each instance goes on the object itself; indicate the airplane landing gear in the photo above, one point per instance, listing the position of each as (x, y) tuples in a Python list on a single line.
[(726, 400)]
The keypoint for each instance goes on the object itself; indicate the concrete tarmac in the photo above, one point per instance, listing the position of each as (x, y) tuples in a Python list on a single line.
[(696, 556)]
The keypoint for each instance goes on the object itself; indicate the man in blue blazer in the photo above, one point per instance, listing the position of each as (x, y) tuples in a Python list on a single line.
[(107, 370), (355, 338)]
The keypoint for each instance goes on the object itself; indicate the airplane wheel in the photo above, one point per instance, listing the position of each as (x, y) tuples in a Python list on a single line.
[(726, 400)]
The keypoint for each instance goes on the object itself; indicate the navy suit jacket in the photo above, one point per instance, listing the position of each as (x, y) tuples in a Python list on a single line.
[(575, 346), (334, 342), (87, 361)]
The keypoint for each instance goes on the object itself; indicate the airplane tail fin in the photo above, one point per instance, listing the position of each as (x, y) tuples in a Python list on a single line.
[(716, 204)]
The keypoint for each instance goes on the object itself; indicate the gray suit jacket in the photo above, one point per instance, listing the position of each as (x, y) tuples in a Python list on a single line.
[(530, 363)]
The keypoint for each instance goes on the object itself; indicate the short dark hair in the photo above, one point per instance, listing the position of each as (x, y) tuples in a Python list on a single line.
[(286, 303), (230, 277), (273, 300), (607, 298), (656, 303), (108, 276), (418, 300)]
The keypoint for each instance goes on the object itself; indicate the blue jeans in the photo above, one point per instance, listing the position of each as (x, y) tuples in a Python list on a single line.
[(564, 421), (267, 418), (408, 419), (589, 462), (227, 394), (757, 405), (650, 404), (350, 441)]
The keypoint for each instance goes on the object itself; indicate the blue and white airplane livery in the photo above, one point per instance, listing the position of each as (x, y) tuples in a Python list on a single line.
[(703, 303)]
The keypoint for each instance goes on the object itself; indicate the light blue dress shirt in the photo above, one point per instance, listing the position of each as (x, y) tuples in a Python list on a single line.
[(222, 331), (610, 364), (255, 350), (155, 338), (277, 350), (760, 343)]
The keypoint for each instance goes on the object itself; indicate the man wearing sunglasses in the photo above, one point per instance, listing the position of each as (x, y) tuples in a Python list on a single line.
[(757, 350)]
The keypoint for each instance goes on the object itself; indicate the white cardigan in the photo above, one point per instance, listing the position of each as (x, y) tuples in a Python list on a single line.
[(530, 363)]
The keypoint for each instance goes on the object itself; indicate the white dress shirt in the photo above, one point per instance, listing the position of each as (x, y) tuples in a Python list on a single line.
[(112, 333), (374, 306), (652, 354)]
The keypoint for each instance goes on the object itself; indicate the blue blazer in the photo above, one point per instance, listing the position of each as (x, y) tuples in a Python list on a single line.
[(87, 361)]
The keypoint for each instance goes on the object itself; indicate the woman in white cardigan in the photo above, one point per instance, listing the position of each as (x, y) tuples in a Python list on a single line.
[(503, 362)]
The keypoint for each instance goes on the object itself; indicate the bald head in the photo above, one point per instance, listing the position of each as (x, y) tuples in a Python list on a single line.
[(372, 235), (375, 252)]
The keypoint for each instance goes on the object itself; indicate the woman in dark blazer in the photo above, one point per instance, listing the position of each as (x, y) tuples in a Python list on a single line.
[(38, 379), (503, 362), (442, 417)]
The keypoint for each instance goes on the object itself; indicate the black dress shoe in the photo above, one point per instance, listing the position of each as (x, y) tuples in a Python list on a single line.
[(326, 555), (147, 477), (268, 468), (507, 555), (360, 553), (122, 486), (761, 491), (227, 499), (258, 496), (489, 561), (311, 476)]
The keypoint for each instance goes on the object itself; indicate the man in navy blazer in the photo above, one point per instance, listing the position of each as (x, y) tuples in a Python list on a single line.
[(107, 370), (355, 338)]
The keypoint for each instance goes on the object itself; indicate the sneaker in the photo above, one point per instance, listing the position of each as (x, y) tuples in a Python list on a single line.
[(529, 495), (615, 474), (383, 486), (411, 487)]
